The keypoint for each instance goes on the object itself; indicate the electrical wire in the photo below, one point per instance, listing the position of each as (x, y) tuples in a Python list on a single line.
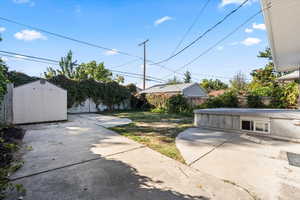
[(55, 62), (191, 26), (204, 34), (68, 38)]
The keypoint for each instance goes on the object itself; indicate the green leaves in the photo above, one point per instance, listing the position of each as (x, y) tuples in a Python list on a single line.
[(210, 85)]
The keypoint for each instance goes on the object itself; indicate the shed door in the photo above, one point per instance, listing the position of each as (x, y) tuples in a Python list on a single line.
[(38, 102)]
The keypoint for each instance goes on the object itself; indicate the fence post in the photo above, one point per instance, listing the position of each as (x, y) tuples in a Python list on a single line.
[(8, 104)]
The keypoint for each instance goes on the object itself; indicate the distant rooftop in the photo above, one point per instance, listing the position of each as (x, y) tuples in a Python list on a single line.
[(166, 88)]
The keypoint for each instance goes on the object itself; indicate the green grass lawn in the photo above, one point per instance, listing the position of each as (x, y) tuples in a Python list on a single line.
[(158, 131)]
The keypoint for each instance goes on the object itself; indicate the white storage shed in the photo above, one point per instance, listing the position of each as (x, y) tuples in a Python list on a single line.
[(38, 101)]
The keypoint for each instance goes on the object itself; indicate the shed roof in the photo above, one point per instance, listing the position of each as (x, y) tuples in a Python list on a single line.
[(166, 88), (40, 81)]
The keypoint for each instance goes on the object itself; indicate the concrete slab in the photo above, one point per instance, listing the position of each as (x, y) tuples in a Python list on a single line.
[(81, 160), (106, 121), (257, 164), (214, 138)]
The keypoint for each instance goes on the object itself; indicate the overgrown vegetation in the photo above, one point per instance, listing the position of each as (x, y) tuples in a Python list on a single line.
[(9, 143), (9, 140), (210, 85), (164, 103), (227, 100), (110, 93), (158, 131)]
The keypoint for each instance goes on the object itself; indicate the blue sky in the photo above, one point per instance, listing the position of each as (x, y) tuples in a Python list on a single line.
[(122, 24)]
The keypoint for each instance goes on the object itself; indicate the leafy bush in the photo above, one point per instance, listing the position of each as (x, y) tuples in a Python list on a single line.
[(177, 104), (158, 101), (285, 96), (3, 80), (169, 103), (228, 99), (255, 101), (9, 145)]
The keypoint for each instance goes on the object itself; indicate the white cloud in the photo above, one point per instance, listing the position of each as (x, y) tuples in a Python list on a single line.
[(29, 35), (2, 29), (220, 48), (251, 41), (228, 2), (111, 52), (259, 26), (29, 2), (4, 59), (162, 20), (248, 30)]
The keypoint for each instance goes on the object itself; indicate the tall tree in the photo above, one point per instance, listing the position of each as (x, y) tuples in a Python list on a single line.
[(264, 83), (187, 77), (210, 85), (85, 71), (67, 68), (238, 83), (94, 71)]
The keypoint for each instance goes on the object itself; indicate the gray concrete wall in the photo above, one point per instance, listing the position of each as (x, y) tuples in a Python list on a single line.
[(286, 128), (228, 122)]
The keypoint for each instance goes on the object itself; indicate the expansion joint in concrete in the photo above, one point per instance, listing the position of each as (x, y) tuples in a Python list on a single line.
[(74, 164)]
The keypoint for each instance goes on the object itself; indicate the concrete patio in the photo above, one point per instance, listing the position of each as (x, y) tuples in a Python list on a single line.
[(259, 165), (80, 159)]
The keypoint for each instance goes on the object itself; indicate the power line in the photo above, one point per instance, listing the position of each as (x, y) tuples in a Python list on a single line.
[(68, 38), (55, 62), (28, 56), (220, 41), (192, 25), (205, 33)]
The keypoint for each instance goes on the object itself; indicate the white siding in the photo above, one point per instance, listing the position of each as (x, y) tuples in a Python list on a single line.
[(37, 102)]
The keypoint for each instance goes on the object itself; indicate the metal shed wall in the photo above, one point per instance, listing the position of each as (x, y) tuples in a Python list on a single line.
[(39, 101)]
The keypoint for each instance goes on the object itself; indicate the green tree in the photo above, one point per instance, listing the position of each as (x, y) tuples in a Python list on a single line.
[(94, 71), (210, 85), (187, 77), (67, 68), (19, 78), (264, 83), (174, 81)]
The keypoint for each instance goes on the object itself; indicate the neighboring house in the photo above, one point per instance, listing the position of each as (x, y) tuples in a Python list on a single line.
[(192, 91)]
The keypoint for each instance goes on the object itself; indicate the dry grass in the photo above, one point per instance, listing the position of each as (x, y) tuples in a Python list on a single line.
[(155, 130)]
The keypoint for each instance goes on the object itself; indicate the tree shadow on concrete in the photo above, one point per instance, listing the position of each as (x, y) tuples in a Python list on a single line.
[(98, 179)]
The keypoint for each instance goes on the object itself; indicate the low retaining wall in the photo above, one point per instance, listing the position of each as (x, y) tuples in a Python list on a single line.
[(277, 123)]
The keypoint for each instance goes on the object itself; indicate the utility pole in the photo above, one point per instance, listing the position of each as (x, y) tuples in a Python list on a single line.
[(144, 78)]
